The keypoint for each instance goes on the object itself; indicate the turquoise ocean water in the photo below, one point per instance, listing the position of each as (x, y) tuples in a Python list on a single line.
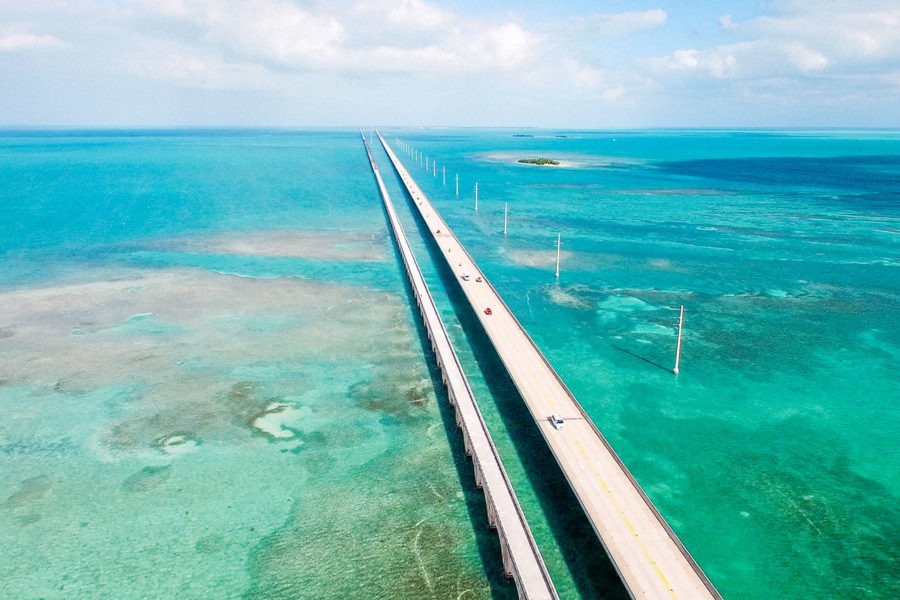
[(213, 384)]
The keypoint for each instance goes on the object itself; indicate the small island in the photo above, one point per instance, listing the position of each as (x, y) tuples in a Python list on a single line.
[(538, 161)]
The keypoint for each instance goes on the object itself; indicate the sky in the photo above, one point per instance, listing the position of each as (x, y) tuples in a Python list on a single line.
[(578, 64)]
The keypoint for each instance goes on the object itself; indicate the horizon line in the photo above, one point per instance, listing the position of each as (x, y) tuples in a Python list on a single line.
[(356, 127)]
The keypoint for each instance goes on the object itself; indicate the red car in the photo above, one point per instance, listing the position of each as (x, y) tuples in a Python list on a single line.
[(487, 311)]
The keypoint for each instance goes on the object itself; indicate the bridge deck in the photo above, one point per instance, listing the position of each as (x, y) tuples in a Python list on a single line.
[(521, 557), (649, 557)]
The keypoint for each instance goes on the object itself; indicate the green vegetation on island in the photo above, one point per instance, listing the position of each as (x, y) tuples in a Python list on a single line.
[(538, 161)]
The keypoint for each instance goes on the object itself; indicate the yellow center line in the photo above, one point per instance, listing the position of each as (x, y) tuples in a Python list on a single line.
[(624, 518)]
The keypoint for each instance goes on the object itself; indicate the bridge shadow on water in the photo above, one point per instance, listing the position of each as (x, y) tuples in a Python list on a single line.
[(486, 540), (591, 570)]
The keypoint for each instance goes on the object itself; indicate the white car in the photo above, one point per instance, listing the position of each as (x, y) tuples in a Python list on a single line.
[(557, 421), (465, 276)]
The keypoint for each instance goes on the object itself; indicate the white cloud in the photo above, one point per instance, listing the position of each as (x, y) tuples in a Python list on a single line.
[(507, 47), (374, 36), (805, 58), (598, 81), (727, 22), (270, 31), (752, 60), (683, 59), (474, 49), (721, 62), (16, 42), (167, 8), (405, 15), (280, 47), (800, 37), (276, 31), (856, 32)]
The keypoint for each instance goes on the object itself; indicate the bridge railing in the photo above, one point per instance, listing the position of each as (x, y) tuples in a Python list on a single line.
[(443, 348)]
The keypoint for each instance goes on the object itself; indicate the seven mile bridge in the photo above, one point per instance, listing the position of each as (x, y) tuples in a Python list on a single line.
[(650, 559)]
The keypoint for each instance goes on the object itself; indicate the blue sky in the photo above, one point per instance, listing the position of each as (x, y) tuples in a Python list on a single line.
[(610, 64)]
